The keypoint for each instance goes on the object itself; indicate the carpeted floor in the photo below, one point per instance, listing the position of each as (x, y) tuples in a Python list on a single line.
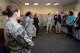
[(55, 43)]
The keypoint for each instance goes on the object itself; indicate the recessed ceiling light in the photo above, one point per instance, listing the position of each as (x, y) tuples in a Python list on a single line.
[(56, 3), (26, 3), (48, 4), (35, 3)]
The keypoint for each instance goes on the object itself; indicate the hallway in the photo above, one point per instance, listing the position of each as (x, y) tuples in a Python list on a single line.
[(55, 43)]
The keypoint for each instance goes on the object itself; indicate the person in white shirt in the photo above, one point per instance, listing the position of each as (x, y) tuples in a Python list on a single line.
[(49, 23)]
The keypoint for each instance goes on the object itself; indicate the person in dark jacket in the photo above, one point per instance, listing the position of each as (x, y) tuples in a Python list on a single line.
[(77, 26), (57, 19), (36, 22)]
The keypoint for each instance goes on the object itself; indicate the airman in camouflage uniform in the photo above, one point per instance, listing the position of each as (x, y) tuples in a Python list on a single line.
[(18, 40)]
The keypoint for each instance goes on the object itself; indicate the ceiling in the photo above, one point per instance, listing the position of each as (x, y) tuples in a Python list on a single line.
[(43, 2)]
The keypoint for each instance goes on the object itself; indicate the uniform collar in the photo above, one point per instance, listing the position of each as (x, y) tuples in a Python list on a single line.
[(13, 20)]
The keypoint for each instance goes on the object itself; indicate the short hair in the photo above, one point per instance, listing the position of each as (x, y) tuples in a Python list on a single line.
[(61, 12), (49, 13), (71, 13), (10, 10), (28, 13), (35, 15)]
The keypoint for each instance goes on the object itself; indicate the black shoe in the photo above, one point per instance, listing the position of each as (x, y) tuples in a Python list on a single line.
[(77, 39), (59, 33), (56, 33), (71, 36), (67, 35)]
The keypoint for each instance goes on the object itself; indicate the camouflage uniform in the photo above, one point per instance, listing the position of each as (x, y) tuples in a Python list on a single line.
[(29, 26), (18, 40)]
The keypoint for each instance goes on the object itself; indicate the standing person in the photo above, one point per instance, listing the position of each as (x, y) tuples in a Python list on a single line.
[(70, 23), (62, 17), (29, 24), (17, 38), (57, 19), (49, 23), (40, 21), (36, 23), (77, 26)]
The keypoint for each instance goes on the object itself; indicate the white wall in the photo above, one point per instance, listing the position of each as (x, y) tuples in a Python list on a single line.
[(69, 7), (78, 6), (3, 4), (74, 7), (40, 9)]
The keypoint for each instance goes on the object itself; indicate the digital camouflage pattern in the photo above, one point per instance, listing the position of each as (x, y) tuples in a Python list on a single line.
[(29, 26), (18, 40)]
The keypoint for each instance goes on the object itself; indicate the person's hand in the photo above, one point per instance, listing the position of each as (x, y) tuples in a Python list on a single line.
[(38, 23), (29, 49), (5, 44), (75, 25), (67, 23)]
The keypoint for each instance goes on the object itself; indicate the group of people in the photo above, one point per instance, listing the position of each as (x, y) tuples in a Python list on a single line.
[(68, 21), (73, 25), (31, 24), (19, 38), (58, 22)]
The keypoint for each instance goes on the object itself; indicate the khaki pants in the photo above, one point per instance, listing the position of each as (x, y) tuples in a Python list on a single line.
[(58, 27)]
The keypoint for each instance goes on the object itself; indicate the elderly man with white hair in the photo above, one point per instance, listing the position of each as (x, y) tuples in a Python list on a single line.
[(57, 19)]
